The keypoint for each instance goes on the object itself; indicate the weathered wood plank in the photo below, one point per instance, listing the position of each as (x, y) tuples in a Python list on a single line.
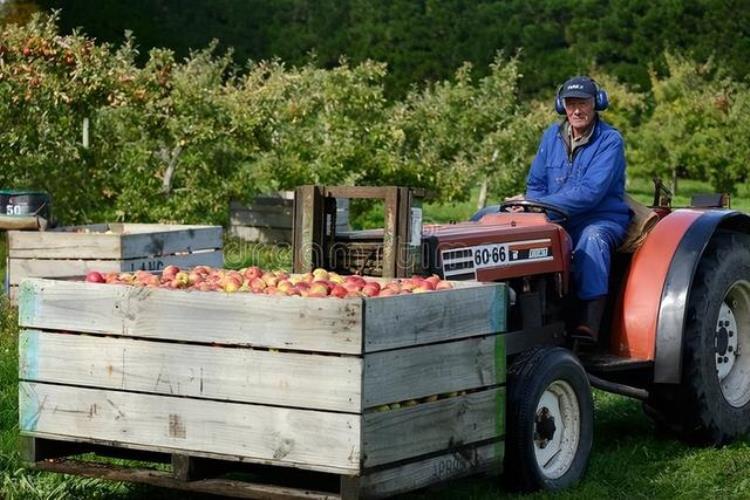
[(64, 245), (434, 470), (126, 241), (276, 435), (222, 487), (261, 235), (416, 372), (408, 320), (200, 371), (405, 433), (281, 219), (153, 243), (298, 323), (19, 269)]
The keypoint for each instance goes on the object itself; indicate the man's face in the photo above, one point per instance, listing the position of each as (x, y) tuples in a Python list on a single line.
[(580, 112)]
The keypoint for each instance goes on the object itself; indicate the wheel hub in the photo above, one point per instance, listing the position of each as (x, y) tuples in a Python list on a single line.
[(545, 427), (725, 343), (557, 427), (732, 336)]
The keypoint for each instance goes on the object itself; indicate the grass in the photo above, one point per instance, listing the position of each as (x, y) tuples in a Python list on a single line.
[(628, 459)]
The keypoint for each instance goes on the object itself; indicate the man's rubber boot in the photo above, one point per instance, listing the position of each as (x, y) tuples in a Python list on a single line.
[(591, 313)]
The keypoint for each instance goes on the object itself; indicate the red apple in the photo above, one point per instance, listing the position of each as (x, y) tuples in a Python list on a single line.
[(434, 279), (95, 277), (339, 291), (318, 289), (371, 290), (270, 279), (387, 292), (169, 272), (320, 274), (258, 285), (253, 272)]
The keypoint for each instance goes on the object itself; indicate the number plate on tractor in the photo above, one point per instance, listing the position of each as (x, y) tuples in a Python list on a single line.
[(463, 263)]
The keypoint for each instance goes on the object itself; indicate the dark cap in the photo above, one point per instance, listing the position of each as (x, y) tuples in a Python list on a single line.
[(579, 86)]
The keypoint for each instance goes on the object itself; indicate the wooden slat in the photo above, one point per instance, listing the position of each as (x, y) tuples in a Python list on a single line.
[(296, 323), (359, 192), (276, 435), (171, 241), (408, 320), (308, 228), (416, 372), (63, 245), (262, 235), (19, 269), (223, 487), (390, 234), (275, 199), (281, 219), (419, 474), (405, 433), (200, 371), (127, 241)]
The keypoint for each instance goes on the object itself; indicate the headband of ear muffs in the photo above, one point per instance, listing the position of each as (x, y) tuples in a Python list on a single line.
[(601, 99)]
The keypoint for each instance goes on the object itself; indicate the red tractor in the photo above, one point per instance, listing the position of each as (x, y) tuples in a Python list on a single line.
[(677, 326), (675, 332)]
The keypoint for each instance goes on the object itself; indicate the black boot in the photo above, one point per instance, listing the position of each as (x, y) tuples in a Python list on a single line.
[(590, 319)]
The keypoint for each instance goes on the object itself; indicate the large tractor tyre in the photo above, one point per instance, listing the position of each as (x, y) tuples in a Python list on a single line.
[(550, 416), (712, 405)]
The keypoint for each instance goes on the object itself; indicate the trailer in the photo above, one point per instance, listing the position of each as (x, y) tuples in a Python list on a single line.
[(424, 387)]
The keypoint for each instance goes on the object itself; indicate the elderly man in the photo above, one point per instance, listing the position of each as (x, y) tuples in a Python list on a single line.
[(580, 168)]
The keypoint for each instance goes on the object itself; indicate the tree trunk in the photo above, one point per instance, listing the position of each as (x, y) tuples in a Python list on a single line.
[(167, 181), (482, 201), (674, 182)]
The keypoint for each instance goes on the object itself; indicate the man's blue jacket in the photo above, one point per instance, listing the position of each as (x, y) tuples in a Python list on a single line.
[(589, 188)]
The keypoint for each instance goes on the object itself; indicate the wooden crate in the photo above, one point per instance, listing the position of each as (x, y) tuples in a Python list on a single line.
[(393, 251), (269, 218), (284, 381), (76, 250)]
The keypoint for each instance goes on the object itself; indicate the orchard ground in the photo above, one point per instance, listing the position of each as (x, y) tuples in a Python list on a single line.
[(629, 459)]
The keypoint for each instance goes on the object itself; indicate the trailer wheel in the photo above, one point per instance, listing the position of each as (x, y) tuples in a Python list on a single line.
[(716, 374), (549, 420)]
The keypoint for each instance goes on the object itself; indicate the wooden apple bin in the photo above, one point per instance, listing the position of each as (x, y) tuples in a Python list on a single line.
[(119, 247), (388, 393)]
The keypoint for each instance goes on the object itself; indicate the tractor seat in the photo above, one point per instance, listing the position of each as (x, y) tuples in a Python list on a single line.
[(643, 221)]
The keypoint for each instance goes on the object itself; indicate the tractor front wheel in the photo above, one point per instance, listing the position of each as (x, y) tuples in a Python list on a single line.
[(549, 420)]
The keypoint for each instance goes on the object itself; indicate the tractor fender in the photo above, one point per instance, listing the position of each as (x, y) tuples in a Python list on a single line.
[(650, 314)]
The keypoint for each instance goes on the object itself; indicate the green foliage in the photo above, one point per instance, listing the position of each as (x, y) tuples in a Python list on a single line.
[(698, 126), (427, 40), (175, 140)]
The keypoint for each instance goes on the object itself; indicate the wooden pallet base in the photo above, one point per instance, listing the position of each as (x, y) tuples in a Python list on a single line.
[(226, 487), (245, 480)]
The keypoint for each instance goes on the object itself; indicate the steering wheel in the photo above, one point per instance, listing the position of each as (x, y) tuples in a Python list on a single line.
[(535, 206)]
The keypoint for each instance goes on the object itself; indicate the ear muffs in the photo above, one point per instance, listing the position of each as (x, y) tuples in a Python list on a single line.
[(601, 99)]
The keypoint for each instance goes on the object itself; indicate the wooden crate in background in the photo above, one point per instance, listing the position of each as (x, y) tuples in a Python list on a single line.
[(389, 394), (269, 218), (76, 250), (391, 252)]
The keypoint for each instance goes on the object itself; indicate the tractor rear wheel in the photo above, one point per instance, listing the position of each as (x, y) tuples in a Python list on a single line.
[(712, 405), (549, 420)]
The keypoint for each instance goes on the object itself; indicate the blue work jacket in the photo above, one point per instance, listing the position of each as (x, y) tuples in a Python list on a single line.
[(591, 187)]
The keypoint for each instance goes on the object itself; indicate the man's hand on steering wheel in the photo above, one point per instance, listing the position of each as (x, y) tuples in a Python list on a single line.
[(515, 204)]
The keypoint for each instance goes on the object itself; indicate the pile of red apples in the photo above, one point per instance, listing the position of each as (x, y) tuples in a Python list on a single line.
[(318, 283)]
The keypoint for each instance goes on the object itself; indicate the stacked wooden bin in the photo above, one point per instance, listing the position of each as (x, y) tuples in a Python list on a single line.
[(384, 394), (117, 247)]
